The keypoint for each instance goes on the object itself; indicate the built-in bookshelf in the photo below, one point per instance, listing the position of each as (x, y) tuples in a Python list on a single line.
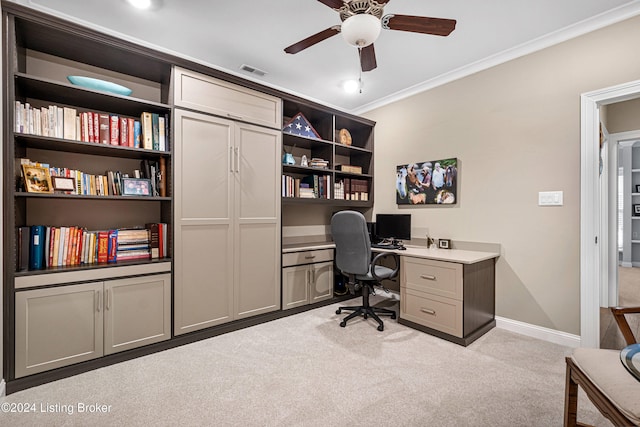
[(343, 175), (70, 152)]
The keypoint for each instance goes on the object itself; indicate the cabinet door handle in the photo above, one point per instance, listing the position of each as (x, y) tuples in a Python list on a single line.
[(307, 277), (428, 311), (237, 159), (98, 294), (313, 272), (231, 159), (107, 299), (309, 256), (427, 277), (234, 116)]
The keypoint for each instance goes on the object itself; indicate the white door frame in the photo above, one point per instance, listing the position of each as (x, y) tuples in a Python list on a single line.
[(590, 207)]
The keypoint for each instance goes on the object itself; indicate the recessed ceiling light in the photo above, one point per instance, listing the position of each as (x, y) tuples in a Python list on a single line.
[(351, 86), (140, 4)]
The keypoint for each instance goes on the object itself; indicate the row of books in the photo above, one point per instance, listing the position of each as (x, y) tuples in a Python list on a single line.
[(151, 132), (109, 184), (351, 189), (40, 247), (308, 187)]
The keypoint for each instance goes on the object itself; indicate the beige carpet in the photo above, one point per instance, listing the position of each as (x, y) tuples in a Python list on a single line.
[(305, 370)]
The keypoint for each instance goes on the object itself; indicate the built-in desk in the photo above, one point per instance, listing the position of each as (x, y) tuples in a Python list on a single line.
[(449, 293)]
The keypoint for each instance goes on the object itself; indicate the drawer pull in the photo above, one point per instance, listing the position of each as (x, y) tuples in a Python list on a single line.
[(235, 116), (427, 276), (428, 311), (309, 256)]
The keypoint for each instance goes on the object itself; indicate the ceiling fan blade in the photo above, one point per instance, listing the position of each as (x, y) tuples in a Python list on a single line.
[(311, 40), (419, 24), (333, 4), (368, 58)]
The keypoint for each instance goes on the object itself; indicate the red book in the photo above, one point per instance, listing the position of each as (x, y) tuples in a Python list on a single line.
[(80, 240), (124, 132), (130, 132), (103, 246), (96, 127), (104, 126), (114, 130), (52, 241), (112, 246), (89, 117)]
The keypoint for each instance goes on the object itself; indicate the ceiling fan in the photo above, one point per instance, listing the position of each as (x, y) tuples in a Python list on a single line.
[(361, 24)]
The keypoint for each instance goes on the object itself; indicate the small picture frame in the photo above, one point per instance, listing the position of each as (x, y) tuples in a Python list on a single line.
[(637, 188), (62, 183), (136, 187), (37, 179), (444, 243), (636, 210)]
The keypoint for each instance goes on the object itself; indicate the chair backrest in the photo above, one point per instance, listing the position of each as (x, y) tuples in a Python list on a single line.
[(353, 247)]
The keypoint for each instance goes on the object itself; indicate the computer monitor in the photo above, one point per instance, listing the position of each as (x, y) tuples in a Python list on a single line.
[(393, 226)]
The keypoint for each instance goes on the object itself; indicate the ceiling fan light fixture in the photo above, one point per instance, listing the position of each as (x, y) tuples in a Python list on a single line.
[(361, 30), (351, 86), (140, 4)]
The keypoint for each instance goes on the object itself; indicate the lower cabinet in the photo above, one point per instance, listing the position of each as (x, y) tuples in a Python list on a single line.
[(307, 277), (63, 325), (451, 300)]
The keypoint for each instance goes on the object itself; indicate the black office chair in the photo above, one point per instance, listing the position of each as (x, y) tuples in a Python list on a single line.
[(353, 259)]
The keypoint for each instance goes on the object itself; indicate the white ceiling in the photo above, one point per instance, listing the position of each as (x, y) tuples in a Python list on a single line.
[(227, 34)]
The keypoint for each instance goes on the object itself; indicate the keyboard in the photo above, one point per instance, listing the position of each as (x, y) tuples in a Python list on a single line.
[(385, 246)]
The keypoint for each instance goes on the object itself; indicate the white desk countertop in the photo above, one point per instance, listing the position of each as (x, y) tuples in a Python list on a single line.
[(447, 255)]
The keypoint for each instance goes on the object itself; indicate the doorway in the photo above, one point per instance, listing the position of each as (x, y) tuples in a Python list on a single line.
[(594, 237)]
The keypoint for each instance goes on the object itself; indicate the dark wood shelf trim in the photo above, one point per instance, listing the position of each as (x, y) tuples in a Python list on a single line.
[(72, 146), (81, 196)]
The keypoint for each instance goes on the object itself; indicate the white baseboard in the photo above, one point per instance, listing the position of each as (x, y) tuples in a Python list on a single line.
[(545, 334), (3, 388)]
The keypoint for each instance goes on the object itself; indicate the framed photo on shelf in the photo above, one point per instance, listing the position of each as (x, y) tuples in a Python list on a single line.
[(136, 187), (62, 183), (444, 243), (636, 210), (637, 189), (37, 179)]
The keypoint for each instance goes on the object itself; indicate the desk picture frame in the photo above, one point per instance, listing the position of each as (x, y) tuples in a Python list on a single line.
[(637, 189), (63, 183), (136, 187), (444, 244), (636, 210), (37, 179)]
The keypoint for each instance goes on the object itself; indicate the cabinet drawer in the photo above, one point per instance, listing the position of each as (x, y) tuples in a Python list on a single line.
[(442, 314), (307, 257), (434, 277), (203, 93)]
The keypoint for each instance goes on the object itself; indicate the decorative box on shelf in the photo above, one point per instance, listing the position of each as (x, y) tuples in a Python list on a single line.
[(349, 168)]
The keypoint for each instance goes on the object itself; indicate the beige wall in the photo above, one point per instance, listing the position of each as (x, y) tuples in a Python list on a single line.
[(623, 116), (515, 129)]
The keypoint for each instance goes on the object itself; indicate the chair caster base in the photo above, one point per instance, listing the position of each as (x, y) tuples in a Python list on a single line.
[(343, 324), (381, 328), (338, 311)]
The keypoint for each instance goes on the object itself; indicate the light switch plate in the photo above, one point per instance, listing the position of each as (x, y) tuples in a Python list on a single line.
[(550, 198)]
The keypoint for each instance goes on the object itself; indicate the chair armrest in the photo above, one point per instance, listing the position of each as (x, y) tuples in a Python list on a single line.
[(381, 256), (618, 315)]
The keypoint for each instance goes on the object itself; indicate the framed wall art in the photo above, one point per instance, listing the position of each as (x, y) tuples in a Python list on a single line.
[(431, 182)]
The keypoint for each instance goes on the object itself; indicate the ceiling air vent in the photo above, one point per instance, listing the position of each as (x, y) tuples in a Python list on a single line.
[(252, 70)]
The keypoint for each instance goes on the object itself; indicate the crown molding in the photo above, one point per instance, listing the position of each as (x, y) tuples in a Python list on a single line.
[(583, 27)]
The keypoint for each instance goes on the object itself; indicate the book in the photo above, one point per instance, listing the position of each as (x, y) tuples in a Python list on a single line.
[(69, 123), (96, 126), (104, 129), (137, 131), (155, 128), (124, 132), (112, 246), (36, 247), (114, 130), (22, 252), (146, 131), (154, 240), (103, 246), (161, 133), (130, 131)]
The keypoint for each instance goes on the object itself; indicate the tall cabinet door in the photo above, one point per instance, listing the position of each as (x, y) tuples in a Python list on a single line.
[(257, 228), (57, 327), (204, 162)]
